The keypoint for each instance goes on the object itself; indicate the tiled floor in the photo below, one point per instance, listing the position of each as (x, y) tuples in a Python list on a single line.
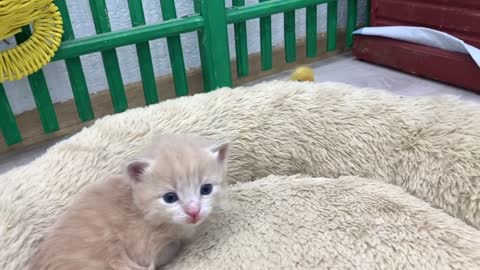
[(342, 68)]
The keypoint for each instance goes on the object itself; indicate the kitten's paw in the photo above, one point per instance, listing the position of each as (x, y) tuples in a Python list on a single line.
[(168, 253), (152, 266)]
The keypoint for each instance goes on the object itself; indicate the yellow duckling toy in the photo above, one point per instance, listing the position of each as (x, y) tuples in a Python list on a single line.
[(303, 74)]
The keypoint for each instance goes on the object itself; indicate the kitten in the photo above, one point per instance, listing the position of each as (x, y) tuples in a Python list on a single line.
[(138, 221)]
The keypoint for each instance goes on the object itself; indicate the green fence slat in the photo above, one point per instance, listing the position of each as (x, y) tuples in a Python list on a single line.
[(110, 58), (216, 34), (241, 48), (125, 37), (332, 26), (75, 70), (175, 51), (367, 23), (249, 12), (40, 92), (207, 63), (67, 23), (351, 21), (289, 36), (147, 73), (80, 89), (266, 41), (144, 55), (213, 42), (311, 31), (178, 65), (45, 107), (8, 124)]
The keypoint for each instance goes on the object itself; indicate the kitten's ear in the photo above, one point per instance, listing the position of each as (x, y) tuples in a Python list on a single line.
[(220, 151), (136, 168)]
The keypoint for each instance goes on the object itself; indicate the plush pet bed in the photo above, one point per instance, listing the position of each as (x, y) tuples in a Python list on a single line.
[(419, 209)]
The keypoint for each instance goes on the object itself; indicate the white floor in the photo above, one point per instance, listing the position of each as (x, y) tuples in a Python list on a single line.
[(343, 69), (347, 69)]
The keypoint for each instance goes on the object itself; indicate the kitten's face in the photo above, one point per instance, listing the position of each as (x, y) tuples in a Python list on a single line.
[(180, 185)]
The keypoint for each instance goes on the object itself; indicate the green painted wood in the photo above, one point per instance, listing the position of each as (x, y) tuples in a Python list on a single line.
[(367, 23), (239, 14), (80, 89), (266, 52), (75, 70), (351, 21), (332, 8), (144, 55), (111, 40), (213, 41), (67, 23), (110, 59), (311, 26), (241, 47), (208, 77), (45, 107), (39, 88), (8, 124), (289, 36), (175, 51)]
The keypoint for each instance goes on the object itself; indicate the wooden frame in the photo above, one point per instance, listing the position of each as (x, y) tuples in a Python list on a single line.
[(460, 18)]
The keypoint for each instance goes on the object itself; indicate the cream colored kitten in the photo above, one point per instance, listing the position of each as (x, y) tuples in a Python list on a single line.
[(138, 221)]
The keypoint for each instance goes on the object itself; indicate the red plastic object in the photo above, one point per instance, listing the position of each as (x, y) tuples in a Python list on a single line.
[(460, 18)]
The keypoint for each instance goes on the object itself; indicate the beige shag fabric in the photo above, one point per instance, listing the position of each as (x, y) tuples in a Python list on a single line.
[(429, 147), (347, 223)]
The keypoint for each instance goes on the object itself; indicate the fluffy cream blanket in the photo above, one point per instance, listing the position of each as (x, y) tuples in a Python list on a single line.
[(428, 147)]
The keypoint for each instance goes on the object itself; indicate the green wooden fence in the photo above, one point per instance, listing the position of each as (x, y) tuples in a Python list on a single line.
[(210, 21)]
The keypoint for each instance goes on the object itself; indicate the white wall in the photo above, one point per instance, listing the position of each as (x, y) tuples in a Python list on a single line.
[(21, 98)]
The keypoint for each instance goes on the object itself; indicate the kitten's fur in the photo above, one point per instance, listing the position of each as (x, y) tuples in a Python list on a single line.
[(124, 223)]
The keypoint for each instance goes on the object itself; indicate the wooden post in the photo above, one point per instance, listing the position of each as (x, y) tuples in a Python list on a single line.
[(213, 41)]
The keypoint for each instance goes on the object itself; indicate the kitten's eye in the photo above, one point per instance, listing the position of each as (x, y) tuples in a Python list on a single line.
[(170, 197), (206, 189)]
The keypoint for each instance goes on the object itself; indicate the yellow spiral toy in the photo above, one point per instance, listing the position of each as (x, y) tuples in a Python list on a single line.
[(31, 55)]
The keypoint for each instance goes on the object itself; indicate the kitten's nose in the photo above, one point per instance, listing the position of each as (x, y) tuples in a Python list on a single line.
[(193, 210)]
